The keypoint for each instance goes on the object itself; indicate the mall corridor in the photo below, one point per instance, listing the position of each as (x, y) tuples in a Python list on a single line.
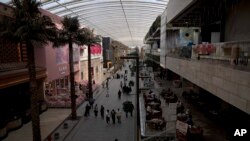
[(95, 128)]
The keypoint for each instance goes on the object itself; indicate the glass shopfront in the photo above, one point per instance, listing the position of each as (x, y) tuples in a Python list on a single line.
[(57, 86)]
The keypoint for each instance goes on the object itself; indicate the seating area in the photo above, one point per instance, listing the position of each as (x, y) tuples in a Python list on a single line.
[(169, 96), (184, 115), (154, 118), (202, 102)]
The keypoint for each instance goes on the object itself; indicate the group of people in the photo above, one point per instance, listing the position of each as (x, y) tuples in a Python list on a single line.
[(113, 115), (108, 115), (124, 87)]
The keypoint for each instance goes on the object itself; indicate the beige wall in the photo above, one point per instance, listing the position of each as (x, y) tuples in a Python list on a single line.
[(94, 63), (231, 85), (6, 10), (175, 7)]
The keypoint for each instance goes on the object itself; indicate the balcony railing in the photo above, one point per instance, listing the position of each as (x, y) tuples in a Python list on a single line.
[(231, 53), (155, 58), (180, 52)]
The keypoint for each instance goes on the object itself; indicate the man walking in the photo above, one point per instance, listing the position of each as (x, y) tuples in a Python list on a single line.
[(102, 111), (87, 108), (91, 102), (96, 110), (113, 113), (107, 117), (107, 84), (121, 84), (131, 110), (107, 95), (119, 94)]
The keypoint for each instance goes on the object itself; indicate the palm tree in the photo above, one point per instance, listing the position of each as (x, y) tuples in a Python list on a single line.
[(90, 39), (72, 33), (31, 28)]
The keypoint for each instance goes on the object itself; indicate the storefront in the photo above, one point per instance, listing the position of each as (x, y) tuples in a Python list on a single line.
[(55, 87)]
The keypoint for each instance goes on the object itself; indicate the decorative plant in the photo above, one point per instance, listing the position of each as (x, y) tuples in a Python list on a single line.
[(204, 49), (131, 83), (128, 106)]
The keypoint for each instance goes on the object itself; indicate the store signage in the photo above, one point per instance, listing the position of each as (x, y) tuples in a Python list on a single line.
[(62, 69)]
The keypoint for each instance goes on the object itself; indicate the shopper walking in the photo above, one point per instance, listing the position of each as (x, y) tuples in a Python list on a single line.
[(103, 84), (87, 108), (121, 84), (107, 116), (118, 115), (119, 94), (131, 110), (91, 102), (107, 84), (113, 113), (107, 95), (102, 111), (96, 110)]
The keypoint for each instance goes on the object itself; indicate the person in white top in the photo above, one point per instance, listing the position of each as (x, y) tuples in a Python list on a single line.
[(107, 116), (118, 115)]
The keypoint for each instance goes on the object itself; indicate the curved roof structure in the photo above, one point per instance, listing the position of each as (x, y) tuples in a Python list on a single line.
[(126, 21)]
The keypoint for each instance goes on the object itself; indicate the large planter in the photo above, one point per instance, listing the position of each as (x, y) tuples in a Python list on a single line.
[(14, 124), (128, 106), (3, 130), (27, 116), (44, 107), (131, 83)]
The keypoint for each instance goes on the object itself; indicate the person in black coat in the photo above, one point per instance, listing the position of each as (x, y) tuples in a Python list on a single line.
[(87, 108), (113, 113), (91, 102), (102, 111), (96, 110), (119, 94)]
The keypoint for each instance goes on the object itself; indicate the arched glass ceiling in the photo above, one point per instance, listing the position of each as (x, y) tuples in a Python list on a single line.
[(127, 21)]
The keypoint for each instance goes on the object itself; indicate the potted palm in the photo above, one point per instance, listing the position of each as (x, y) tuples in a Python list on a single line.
[(3, 129), (131, 83)]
